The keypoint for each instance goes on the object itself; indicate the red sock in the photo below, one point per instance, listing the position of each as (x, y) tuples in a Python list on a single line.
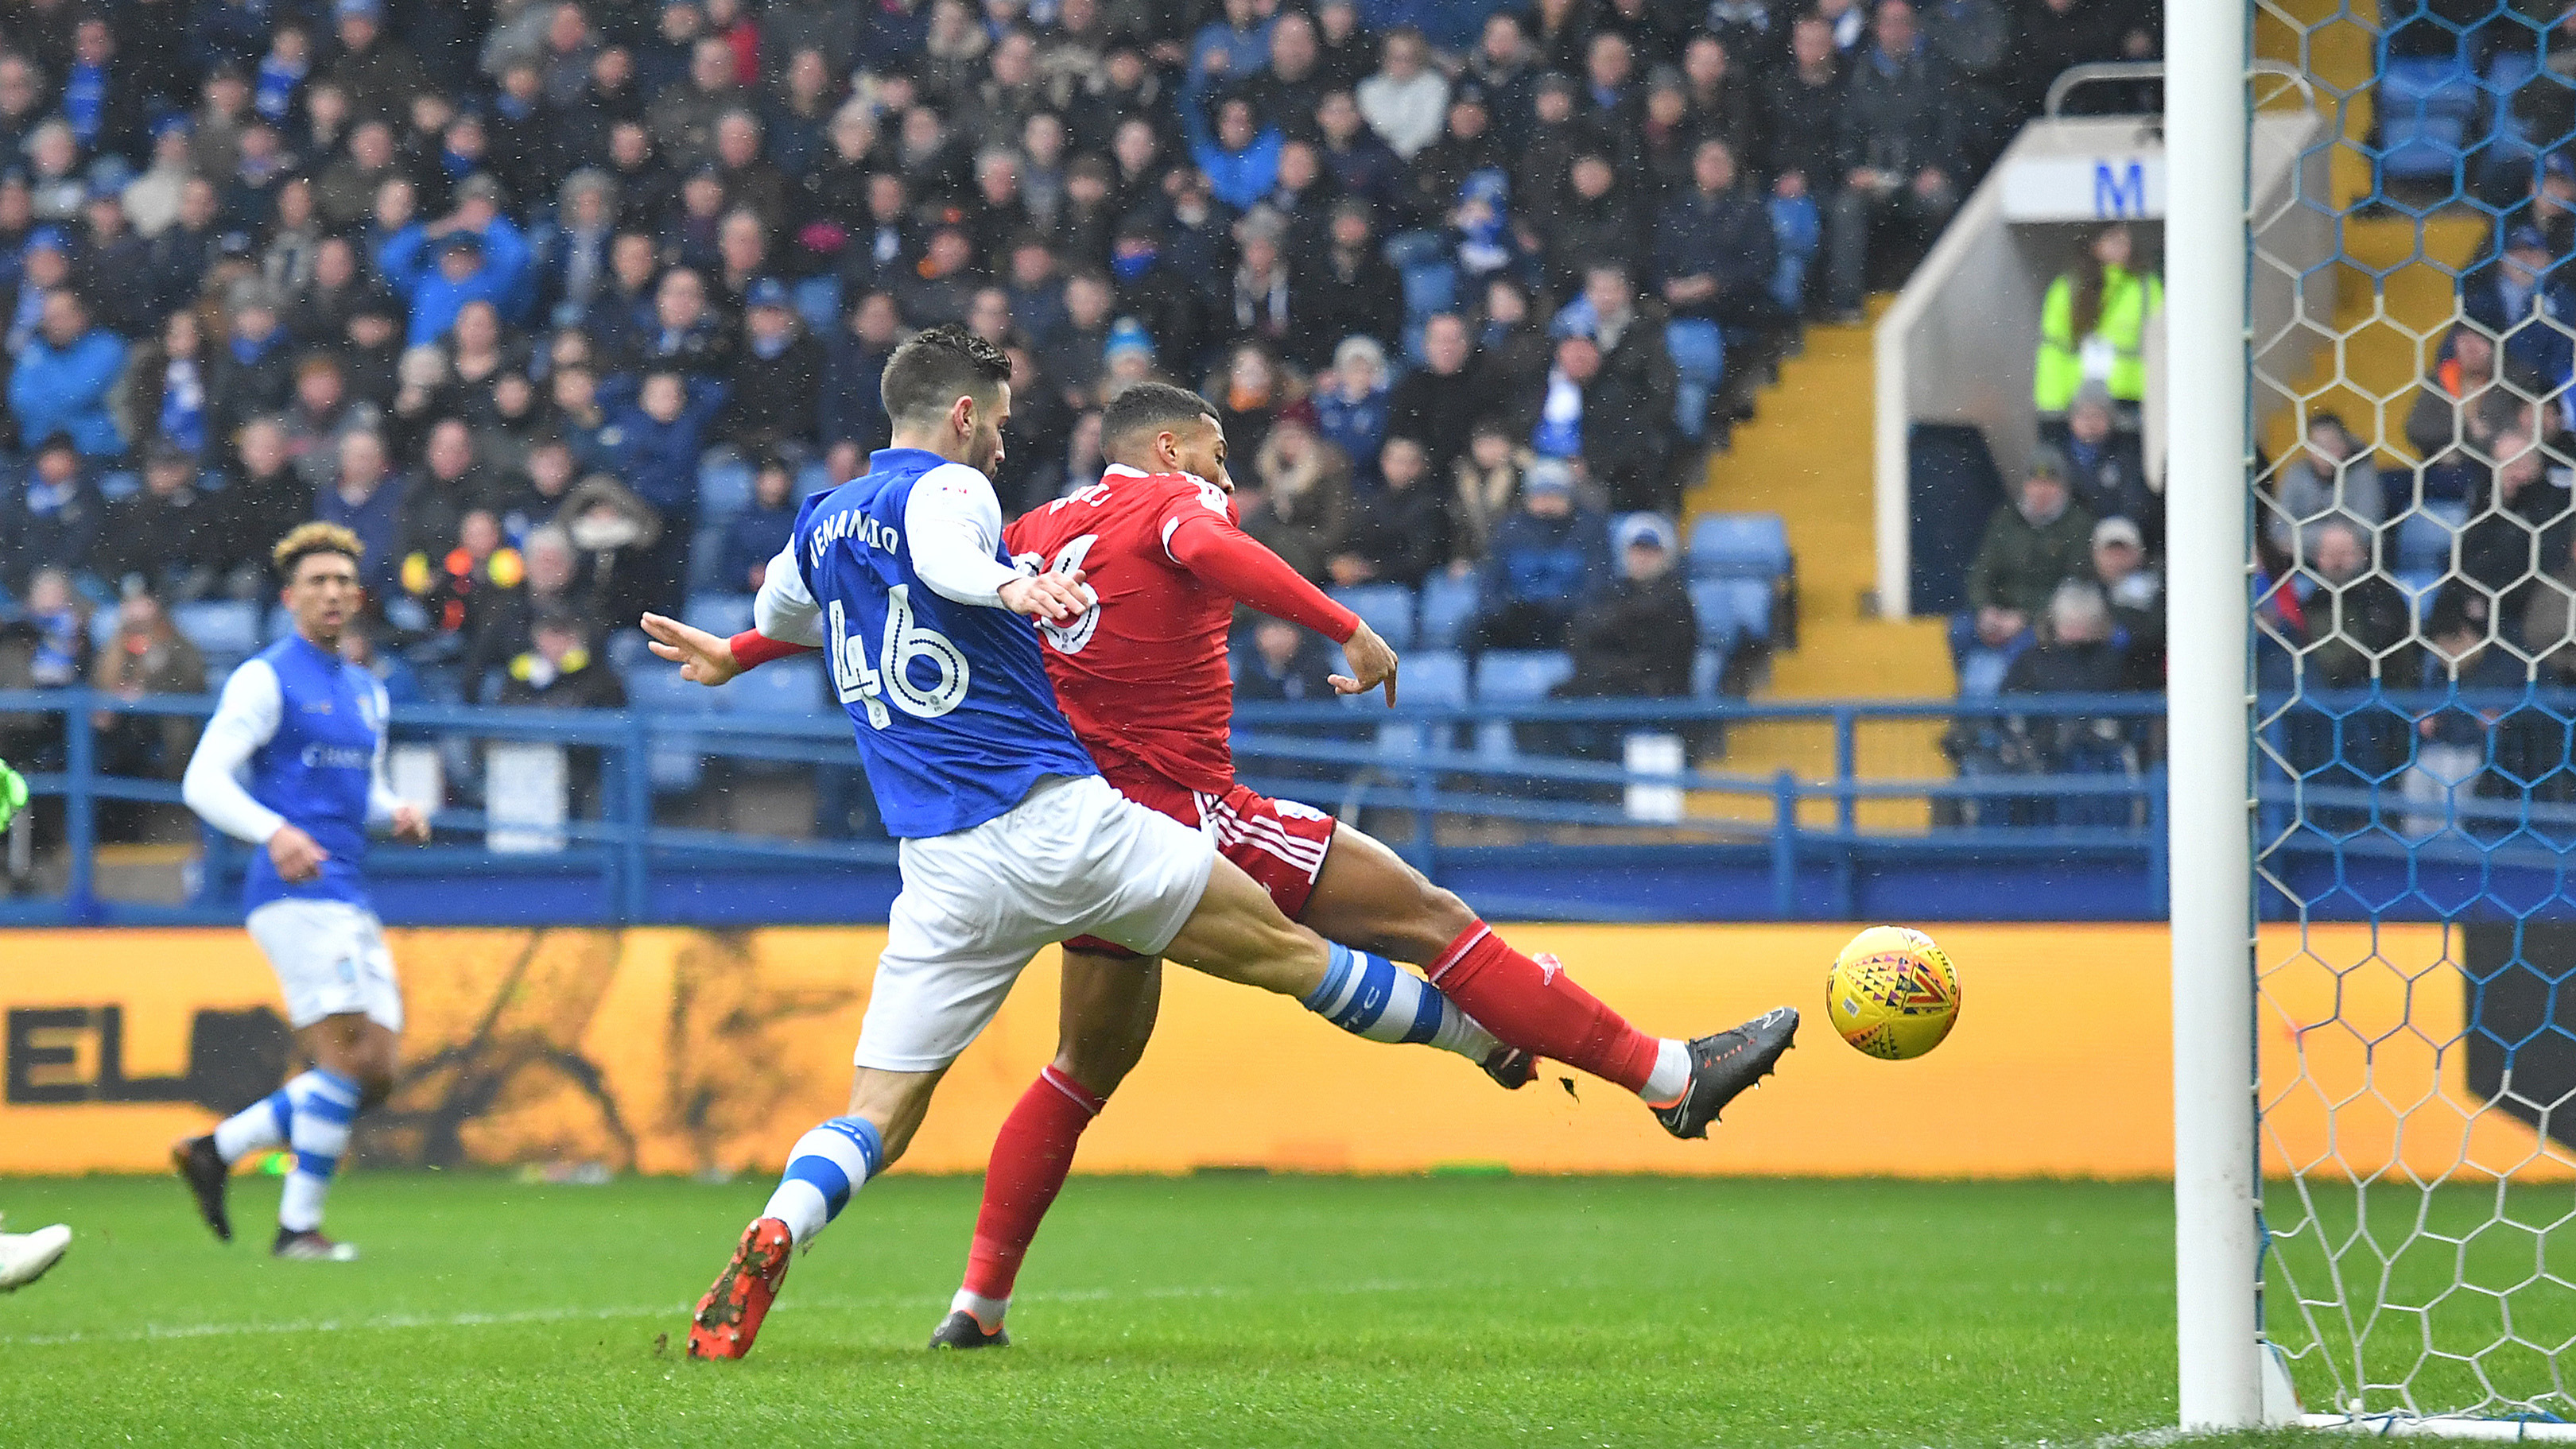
[(1031, 1155), (1540, 1009)]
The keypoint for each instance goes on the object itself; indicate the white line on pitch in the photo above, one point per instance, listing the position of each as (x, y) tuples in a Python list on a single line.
[(398, 1322)]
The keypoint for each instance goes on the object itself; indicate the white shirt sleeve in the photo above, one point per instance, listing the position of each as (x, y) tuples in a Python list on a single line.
[(953, 525), (381, 798), (245, 718), (784, 610)]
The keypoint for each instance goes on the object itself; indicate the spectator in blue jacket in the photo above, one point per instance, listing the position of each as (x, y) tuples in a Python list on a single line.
[(853, 407), (573, 271), (1241, 158), (1232, 46), (367, 499), (1545, 561), (1351, 406), (2519, 300), (656, 432), (62, 381), (51, 520), (755, 535), (474, 254)]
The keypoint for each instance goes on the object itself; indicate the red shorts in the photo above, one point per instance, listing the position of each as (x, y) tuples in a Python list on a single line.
[(1279, 843)]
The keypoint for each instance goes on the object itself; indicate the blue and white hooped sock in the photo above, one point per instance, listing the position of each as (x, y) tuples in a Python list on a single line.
[(829, 1164), (324, 1103), (262, 1124), (1372, 997)]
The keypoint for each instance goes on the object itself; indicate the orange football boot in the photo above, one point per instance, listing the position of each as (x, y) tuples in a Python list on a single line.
[(728, 1318)]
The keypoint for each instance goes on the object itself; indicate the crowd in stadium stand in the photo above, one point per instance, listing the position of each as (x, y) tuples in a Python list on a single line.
[(2065, 594), (563, 306)]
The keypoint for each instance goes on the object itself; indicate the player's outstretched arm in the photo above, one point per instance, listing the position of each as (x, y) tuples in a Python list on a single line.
[(1212, 547), (786, 621), (703, 658), (1051, 597), (952, 525)]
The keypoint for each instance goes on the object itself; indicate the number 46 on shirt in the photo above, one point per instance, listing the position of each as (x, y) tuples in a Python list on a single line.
[(856, 680)]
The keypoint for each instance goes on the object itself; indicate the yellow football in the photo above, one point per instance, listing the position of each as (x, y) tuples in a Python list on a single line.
[(1892, 993)]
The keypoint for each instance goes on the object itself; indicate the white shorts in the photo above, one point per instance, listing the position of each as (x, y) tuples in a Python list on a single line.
[(331, 960), (1075, 858)]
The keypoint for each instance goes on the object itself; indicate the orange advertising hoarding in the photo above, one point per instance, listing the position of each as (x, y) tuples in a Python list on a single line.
[(669, 1050)]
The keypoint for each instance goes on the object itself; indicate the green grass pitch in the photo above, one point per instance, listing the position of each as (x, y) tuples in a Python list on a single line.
[(1210, 1310)]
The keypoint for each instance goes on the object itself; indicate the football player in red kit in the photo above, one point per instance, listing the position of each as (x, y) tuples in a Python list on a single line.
[(1143, 678)]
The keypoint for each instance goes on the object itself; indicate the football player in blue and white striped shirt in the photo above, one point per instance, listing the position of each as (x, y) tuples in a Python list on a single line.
[(293, 761)]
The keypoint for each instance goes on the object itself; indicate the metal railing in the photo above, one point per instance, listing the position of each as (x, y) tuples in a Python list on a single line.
[(1432, 781), (2091, 72), (1420, 776)]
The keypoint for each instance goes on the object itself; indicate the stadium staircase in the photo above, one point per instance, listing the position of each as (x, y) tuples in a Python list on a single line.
[(1805, 458)]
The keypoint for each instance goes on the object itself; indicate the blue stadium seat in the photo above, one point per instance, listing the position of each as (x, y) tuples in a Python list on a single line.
[(118, 484), (1510, 677), (790, 689), (1749, 602), (2426, 106), (279, 624), (705, 546), (1448, 608), (2424, 536), (721, 614), (675, 762), (1713, 601), (1387, 608), (224, 631), (787, 687), (1740, 546), (1519, 676), (2506, 74), (1432, 679), (628, 650), (724, 485), (1708, 671), (1698, 349)]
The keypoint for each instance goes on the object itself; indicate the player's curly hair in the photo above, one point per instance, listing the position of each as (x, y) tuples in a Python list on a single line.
[(928, 373), (1151, 407), (307, 539)]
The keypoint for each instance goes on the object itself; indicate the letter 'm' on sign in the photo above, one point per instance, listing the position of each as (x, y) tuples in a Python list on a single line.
[(2119, 193)]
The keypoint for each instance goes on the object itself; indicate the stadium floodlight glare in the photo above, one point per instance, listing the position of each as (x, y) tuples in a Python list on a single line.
[(2342, 932)]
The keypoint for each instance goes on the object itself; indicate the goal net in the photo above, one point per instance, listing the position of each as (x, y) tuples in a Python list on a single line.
[(2408, 328)]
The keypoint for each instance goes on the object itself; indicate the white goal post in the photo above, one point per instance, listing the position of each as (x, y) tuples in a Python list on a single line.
[(2209, 712), (2239, 1350)]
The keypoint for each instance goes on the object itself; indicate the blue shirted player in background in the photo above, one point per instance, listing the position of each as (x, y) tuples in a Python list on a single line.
[(305, 733)]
